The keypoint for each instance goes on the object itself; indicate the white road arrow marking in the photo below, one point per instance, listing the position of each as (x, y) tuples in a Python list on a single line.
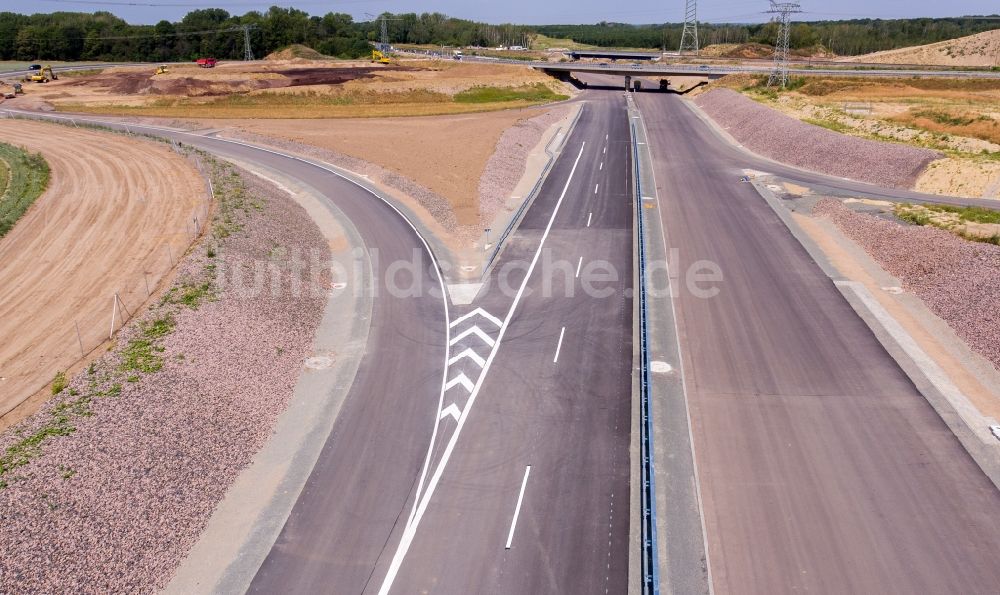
[(477, 312), (451, 410), (469, 354), (460, 379), (474, 331)]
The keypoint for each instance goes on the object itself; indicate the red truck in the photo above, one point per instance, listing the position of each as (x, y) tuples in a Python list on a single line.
[(206, 62)]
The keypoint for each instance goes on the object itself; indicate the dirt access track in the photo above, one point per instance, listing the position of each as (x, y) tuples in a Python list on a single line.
[(116, 214)]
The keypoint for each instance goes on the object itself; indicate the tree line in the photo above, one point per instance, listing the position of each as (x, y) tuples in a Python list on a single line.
[(215, 32), (847, 38)]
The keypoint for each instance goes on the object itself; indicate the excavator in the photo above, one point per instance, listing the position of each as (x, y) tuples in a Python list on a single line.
[(379, 57), (43, 76), (162, 70)]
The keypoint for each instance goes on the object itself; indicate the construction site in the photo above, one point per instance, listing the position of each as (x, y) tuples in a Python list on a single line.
[(720, 316)]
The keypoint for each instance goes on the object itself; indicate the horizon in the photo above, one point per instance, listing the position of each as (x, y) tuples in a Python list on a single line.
[(582, 12)]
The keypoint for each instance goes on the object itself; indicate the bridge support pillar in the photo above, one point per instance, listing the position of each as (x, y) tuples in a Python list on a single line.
[(628, 82)]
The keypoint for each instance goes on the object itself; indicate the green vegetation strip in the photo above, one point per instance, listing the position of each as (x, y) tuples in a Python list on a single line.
[(952, 218), (536, 92), (27, 177)]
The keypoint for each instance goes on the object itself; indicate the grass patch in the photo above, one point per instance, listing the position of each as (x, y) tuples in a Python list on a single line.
[(829, 125), (59, 383), (538, 92), (952, 218), (142, 354), (27, 177)]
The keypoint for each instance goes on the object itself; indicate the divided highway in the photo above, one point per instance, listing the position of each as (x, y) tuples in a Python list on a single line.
[(821, 467)]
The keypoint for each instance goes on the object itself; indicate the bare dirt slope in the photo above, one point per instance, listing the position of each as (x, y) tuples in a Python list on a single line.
[(445, 154), (981, 49), (112, 208)]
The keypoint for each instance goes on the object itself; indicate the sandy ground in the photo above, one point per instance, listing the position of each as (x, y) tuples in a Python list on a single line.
[(945, 351), (191, 85), (116, 213), (445, 154), (982, 49)]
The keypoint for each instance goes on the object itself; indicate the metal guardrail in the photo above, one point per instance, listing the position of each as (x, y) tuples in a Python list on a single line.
[(650, 561)]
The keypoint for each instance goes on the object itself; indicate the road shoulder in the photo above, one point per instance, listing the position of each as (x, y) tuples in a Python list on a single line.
[(939, 364), (247, 522)]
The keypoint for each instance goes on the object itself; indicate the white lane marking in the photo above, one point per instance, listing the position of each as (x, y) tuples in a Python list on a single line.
[(578, 265), (473, 331), (596, 186), (461, 379), (476, 312), (517, 509), (605, 151), (320, 165), (605, 137), (469, 353), (589, 215), (451, 410), (424, 500), (602, 166), (559, 345)]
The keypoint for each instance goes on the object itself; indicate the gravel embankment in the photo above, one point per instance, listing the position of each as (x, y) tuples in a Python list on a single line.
[(774, 135), (507, 164), (958, 279), (114, 505)]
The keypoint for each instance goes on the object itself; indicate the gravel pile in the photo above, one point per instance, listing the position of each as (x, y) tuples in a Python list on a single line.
[(115, 505), (436, 205), (958, 279), (507, 164), (772, 134)]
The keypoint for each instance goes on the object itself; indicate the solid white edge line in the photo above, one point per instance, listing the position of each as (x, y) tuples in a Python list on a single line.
[(559, 345), (427, 248), (410, 530), (578, 265), (517, 508)]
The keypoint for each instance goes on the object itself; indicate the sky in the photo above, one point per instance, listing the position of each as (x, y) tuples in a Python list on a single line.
[(526, 11)]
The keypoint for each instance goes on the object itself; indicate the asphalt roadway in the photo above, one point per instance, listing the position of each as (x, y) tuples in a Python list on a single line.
[(557, 396), (821, 467), (394, 470)]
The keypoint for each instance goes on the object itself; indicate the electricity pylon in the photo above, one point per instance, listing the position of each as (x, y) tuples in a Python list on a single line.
[(784, 10), (689, 36)]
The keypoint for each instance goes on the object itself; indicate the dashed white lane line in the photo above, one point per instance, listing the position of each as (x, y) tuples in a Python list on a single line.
[(517, 509), (596, 186), (578, 265), (589, 215), (559, 345), (605, 151), (420, 504), (601, 167)]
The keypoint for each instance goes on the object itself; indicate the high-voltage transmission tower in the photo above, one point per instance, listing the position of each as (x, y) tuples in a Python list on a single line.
[(383, 38), (247, 52), (689, 36), (784, 10)]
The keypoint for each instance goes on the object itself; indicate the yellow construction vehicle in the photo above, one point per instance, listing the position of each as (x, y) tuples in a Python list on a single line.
[(162, 70), (379, 57), (44, 75)]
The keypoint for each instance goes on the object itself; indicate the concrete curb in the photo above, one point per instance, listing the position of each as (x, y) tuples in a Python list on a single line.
[(246, 524), (515, 218), (961, 417)]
